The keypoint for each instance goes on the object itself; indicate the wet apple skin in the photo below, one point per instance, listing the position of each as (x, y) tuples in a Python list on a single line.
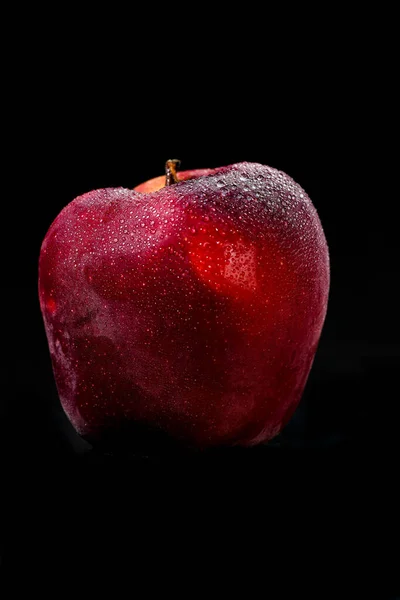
[(195, 309)]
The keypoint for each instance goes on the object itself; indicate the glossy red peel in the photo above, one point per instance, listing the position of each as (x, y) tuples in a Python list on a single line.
[(195, 309)]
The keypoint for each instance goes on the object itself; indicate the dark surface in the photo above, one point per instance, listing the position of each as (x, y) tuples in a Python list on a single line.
[(335, 466)]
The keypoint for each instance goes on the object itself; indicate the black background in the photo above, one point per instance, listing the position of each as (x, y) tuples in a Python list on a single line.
[(350, 397), (84, 122)]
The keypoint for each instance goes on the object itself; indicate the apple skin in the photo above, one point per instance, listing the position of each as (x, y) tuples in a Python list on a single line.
[(193, 309)]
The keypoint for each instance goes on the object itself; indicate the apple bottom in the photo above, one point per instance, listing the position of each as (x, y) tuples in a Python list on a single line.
[(140, 438), (124, 418)]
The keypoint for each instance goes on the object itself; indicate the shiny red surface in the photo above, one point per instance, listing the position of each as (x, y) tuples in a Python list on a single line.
[(196, 308)]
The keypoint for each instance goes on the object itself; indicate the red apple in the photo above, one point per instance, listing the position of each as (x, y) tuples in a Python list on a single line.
[(193, 308)]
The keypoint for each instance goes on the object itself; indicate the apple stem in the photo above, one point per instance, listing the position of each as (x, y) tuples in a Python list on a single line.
[(171, 168)]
